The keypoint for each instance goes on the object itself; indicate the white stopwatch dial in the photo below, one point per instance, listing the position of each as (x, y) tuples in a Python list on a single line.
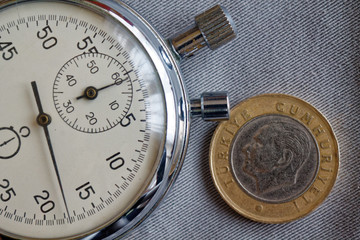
[(82, 119), (94, 116)]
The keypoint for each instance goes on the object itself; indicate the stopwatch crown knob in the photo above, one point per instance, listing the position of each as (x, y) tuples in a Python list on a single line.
[(214, 28)]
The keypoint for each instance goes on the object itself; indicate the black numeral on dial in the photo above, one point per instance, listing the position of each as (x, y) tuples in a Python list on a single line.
[(68, 106), (115, 161), (8, 193), (125, 122), (46, 205), (91, 118), (85, 191), (92, 66), (48, 42), (71, 81), (8, 50), (114, 105), (85, 43)]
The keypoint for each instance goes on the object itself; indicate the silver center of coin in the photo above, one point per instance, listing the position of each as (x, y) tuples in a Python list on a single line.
[(274, 158)]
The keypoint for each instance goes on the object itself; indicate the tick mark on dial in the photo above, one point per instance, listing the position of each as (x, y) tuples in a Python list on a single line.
[(75, 122), (110, 63), (109, 122)]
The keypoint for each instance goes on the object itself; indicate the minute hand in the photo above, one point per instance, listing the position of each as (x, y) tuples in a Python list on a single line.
[(91, 92)]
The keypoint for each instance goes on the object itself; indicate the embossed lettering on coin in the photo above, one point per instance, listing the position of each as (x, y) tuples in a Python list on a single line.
[(274, 158)]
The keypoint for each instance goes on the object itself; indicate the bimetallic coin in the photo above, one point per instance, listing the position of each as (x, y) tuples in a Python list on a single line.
[(275, 160)]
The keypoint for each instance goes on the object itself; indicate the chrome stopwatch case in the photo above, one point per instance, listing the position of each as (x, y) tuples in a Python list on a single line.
[(94, 115)]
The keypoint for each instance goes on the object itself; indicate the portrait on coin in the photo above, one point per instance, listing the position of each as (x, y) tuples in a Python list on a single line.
[(274, 156)]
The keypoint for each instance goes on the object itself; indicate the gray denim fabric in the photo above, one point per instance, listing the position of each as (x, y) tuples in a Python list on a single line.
[(308, 49)]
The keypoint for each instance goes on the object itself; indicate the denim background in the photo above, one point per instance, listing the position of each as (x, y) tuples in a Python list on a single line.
[(308, 49)]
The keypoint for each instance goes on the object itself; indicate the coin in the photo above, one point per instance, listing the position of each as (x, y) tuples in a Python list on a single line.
[(275, 160)]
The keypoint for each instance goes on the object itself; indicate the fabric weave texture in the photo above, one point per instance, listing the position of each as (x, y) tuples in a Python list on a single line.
[(308, 49)]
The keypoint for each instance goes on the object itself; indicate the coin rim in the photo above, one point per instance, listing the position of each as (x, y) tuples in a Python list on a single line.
[(278, 219)]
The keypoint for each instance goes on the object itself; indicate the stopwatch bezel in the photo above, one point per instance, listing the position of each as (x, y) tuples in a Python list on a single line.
[(177, 111)]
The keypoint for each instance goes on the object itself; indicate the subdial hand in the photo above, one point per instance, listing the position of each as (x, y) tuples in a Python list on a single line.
[(44, 120), (91, 93), (6, 142)]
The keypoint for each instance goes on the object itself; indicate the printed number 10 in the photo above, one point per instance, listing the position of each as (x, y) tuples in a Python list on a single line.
[(116, 161)]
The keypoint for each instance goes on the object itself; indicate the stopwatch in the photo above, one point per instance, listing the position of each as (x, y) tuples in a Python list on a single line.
[(95, 118)]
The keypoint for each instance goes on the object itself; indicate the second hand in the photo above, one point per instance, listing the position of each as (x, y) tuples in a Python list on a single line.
[(44, 120)]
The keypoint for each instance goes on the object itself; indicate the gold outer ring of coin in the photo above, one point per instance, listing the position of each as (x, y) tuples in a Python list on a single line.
[(235, 195)]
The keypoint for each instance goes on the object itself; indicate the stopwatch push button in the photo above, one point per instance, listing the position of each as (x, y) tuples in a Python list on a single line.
[(211, 106)]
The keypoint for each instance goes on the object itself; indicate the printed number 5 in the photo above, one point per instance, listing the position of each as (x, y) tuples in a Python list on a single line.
[(127, 120)]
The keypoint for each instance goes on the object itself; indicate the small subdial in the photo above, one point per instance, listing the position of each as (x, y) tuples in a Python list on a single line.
[(93, 92)]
